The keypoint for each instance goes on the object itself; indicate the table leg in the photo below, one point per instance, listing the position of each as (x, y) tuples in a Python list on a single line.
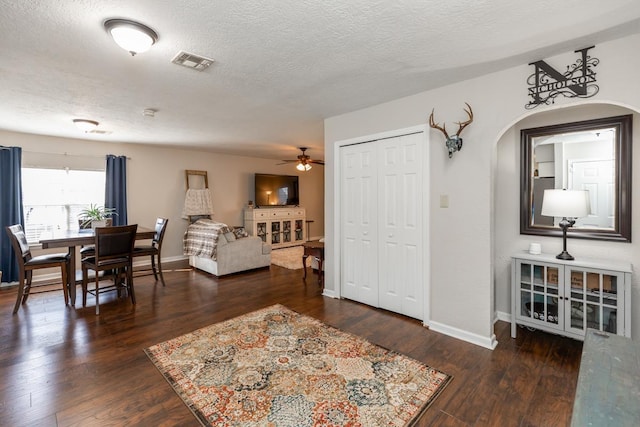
[(71, 277), (304, 265), (320, 271)]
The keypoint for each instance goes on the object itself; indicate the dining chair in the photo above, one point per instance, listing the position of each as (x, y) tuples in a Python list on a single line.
[(27, 263), (113, 252), (155, 249)]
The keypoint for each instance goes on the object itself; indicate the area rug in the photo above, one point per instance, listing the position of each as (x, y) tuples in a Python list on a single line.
[(275, 367), (290, 258)]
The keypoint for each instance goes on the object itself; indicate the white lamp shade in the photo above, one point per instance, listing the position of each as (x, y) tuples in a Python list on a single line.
[(565, 203), (303, 167)]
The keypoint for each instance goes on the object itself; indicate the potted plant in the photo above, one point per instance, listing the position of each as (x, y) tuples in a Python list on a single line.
[(96, 216)]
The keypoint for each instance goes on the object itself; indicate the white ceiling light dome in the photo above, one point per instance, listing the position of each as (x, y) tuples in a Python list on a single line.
[(132, 36), (85, 125)]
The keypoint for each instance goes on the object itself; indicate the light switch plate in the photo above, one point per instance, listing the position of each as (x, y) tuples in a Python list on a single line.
[(444, 200)]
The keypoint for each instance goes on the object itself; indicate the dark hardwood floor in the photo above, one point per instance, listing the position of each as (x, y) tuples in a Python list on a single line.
[(68, 367)]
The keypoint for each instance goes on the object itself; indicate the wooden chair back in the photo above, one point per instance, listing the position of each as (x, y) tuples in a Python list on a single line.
[(114, 245), (19, 242)]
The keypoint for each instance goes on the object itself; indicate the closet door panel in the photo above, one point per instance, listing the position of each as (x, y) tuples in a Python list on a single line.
[(400, 230), (360, 218), (390, 220)]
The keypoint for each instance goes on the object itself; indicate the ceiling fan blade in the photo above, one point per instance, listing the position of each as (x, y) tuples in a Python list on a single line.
[(289, 161), (317, 162)]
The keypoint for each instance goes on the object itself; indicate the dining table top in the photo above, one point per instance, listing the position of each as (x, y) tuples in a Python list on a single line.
[(67, 238)]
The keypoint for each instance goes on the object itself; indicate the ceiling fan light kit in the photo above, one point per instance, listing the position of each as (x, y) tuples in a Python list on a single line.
[(303, 162), (132, 36)]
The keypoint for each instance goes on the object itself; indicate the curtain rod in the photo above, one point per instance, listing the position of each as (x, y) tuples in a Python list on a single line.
[(66, 154), (59, 154)]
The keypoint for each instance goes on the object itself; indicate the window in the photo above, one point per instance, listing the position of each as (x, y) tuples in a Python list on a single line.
[(53, 198)]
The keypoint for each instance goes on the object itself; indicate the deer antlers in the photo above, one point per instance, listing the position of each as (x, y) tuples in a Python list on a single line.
[(454, 143), (461, 125)]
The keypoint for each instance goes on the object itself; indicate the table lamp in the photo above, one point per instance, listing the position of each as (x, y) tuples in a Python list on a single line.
[(569, 205)]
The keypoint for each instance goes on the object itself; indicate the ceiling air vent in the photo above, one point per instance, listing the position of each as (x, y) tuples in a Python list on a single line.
[(192, 61)]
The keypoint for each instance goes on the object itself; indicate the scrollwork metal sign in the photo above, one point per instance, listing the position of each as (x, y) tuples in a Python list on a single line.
[(547, 83)]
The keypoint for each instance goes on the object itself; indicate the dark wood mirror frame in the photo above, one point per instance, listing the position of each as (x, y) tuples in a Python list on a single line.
[(623, 160)]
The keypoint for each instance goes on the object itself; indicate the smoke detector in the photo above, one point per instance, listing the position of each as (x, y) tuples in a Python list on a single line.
[(190, 60)]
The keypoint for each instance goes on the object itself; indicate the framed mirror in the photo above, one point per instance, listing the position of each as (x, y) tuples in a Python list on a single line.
[(593, 155)]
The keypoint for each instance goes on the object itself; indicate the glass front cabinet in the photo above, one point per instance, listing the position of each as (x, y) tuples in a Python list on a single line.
[(280, 227), (567, 297)]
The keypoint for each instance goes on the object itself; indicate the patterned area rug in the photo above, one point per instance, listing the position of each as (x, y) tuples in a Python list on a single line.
[(275, 367), (290, 258)]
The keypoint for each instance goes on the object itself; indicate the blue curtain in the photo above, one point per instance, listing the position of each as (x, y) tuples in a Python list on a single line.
[(116, 188), (11, 211)]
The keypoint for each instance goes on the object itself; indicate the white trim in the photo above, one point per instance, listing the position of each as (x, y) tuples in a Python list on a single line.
[(53, 276), (337, 230), (147, 260), (501, 315), (329, 293), (476, 339)]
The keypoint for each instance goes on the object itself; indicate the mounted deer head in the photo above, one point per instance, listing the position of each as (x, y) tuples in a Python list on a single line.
[(454, 143)]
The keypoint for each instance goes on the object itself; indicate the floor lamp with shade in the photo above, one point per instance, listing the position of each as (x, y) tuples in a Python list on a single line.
[(568, 205)]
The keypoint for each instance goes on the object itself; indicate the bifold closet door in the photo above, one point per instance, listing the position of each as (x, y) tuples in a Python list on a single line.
[(381, 224), (359, 221), (400, 229)]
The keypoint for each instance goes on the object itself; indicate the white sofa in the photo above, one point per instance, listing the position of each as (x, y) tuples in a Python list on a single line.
[(235, 255)]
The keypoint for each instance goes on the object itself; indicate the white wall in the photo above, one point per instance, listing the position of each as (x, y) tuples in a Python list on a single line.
[(156, 181), (463, 262)]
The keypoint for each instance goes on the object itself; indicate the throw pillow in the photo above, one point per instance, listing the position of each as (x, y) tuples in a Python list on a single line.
[(240, 232)]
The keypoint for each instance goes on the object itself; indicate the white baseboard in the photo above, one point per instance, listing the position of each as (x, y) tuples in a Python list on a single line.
[(142, 262), (329, 293), (486, 342), (501, 315)]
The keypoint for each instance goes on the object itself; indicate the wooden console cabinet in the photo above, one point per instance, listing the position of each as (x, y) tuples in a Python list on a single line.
[(568, 297), (280, 227)]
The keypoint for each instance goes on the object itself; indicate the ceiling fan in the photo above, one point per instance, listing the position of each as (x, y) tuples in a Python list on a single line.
[(303, 161)]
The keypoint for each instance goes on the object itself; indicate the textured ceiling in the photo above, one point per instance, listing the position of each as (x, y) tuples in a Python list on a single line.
[(280, 67)]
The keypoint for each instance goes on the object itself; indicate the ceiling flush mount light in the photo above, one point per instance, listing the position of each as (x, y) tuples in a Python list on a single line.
[(132, 36), (85, 125)]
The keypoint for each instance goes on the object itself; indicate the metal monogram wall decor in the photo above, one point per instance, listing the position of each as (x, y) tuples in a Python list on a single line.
[(547, 83)]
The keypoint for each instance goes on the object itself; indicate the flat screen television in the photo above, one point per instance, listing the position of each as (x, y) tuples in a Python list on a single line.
[(276, 190)]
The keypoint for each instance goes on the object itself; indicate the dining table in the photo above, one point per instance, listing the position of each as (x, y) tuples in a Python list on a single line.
[(71, 239)]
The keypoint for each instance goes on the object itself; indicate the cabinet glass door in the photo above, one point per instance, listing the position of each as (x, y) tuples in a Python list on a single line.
[(261, 231), (299, 231), (286, 231), (275, 232), (537, 299), (593, 300)]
